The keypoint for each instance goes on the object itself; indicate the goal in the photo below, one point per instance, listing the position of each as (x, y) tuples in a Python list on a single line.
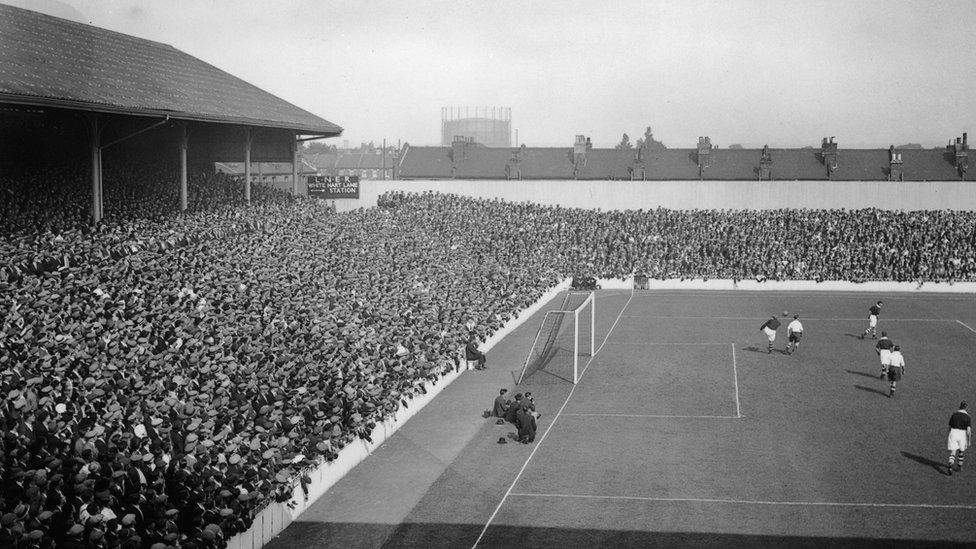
[(564, 340)]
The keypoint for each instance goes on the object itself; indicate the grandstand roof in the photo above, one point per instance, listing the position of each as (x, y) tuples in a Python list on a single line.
[(675, 164), (48, 61)]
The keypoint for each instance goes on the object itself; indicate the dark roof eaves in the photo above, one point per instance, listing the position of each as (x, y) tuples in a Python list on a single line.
[(37, 101)]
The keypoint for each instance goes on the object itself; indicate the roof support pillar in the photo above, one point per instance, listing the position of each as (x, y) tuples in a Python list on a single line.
[(184, 141), (96, 150), (294, 166), (247, 165)]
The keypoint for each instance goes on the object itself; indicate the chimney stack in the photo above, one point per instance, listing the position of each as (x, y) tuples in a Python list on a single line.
[(896, 170), (704, 150), (828, 153), (513, 169), (960, 154), (766, 164)]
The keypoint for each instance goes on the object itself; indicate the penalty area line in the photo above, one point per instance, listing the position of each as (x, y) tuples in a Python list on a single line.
[(966, 326), (735, 379), (751, 502), (649, 416)]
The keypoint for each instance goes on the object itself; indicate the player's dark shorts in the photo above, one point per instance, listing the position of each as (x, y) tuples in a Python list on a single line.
[(795, 336), (894, 373)]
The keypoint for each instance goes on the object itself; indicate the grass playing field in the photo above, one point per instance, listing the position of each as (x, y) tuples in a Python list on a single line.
[(683, 431)]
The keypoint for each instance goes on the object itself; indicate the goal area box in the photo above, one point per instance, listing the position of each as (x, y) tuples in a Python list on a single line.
[(565, 339)]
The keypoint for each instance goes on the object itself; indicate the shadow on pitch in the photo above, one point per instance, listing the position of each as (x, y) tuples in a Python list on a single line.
[(925, 461), (865, 374), (302, 534), (855, 336), (755, 349), (871, 390)]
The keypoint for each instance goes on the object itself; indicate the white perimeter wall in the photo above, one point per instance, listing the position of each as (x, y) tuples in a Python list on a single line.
[(686, 195)]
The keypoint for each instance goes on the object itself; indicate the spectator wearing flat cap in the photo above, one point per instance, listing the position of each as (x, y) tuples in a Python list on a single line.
[(525, 420), (475, 358), (500, 406)]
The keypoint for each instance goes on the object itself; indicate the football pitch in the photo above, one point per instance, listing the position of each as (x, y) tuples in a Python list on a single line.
[(684, 431)]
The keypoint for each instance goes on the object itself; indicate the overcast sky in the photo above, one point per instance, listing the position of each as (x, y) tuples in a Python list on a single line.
[(782, 72)]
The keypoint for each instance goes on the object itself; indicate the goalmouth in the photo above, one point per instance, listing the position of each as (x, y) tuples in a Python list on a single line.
[(564, 340)]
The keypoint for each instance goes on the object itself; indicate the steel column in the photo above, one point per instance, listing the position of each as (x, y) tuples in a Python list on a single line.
[(294, 166), (247, 165), (184, 141), (96, 138)]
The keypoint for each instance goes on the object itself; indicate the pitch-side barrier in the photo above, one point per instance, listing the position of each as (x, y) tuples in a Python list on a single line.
[(278, 515)]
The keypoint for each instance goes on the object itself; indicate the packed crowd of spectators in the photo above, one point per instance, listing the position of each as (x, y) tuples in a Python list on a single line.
[(164, 375)]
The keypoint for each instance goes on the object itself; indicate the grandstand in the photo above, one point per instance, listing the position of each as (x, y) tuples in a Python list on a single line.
[(98, 91), (190, 360)]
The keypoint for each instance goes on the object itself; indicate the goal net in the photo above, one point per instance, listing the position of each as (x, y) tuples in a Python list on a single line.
[(564, 340)]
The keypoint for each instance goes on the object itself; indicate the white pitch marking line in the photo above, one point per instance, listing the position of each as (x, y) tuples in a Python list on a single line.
[(752, 294), (556, 417), (754, 502), (650, 416), (735, 378), (966, 326), (693, 343), (886, 319)]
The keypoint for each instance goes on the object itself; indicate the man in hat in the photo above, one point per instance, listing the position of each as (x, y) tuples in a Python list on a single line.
[(501, 404), (525, 420), (476, 359)]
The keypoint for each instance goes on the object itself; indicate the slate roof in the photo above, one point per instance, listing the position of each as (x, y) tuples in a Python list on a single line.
[(678, 164), (426, 163), (48, 61)]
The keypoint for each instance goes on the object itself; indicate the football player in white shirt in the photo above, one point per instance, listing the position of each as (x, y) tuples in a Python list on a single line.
[(895, 370), (794, 332)]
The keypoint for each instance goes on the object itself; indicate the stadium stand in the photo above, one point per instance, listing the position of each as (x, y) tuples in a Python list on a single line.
[(168, 371), (176, 373)]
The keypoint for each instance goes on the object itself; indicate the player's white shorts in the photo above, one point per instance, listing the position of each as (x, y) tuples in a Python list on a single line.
[(770, 333), (957, 440), (873, 321), (885, 355)]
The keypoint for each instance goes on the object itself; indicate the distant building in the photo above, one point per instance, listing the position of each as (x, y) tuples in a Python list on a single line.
[(367, 165), (465, 159), (489, 126), (270, 173)]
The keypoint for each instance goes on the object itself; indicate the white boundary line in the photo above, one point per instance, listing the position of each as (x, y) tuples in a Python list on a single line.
[(754, 502), (691, 343), (885, 319), (649, 416), (966, 326), (752, 294), (735, 379), (556, 417)]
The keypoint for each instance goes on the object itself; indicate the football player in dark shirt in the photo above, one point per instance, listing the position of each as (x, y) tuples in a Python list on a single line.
[(873, 313), (883, 348), (960, 436), (769, 328)]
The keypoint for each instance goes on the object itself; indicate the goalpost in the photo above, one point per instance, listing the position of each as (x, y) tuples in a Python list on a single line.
[(564, 338)]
